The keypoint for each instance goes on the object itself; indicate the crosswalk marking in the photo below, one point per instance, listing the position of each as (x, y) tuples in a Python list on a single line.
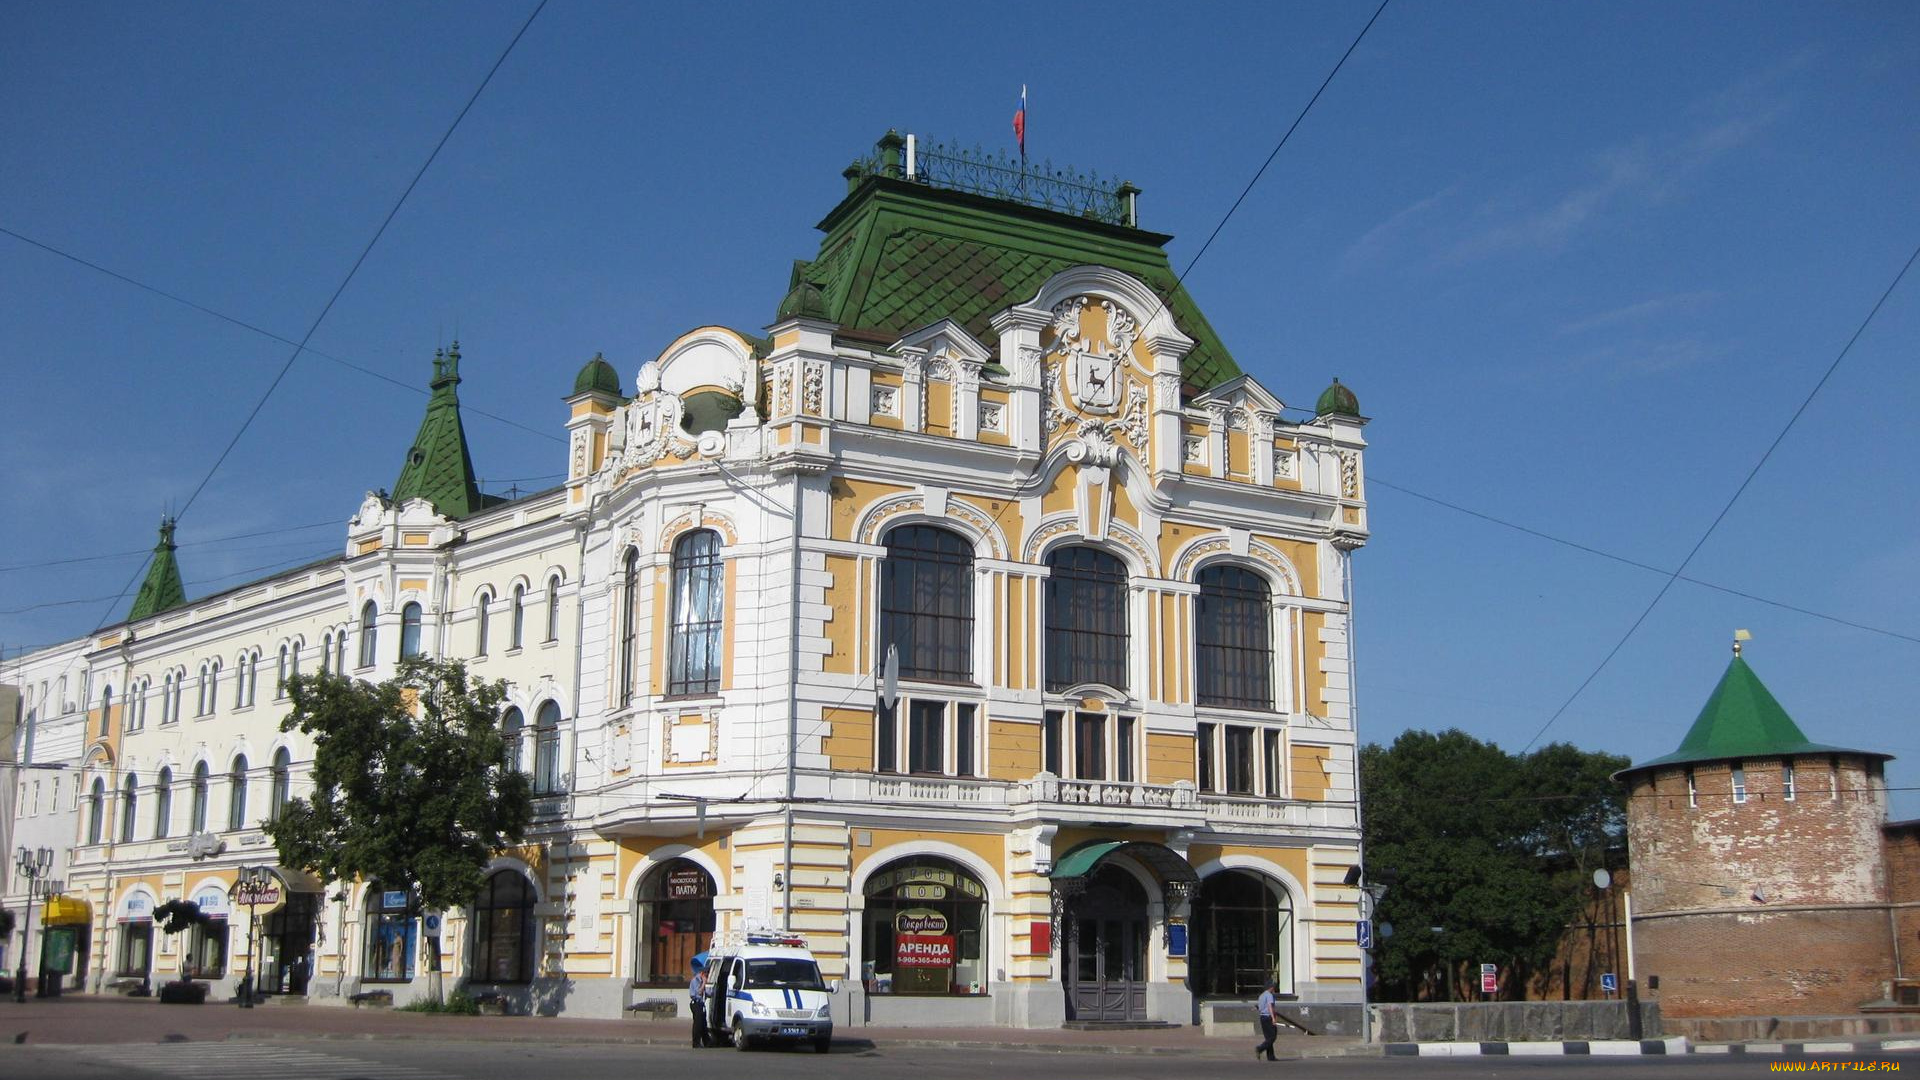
[(217, 1061)]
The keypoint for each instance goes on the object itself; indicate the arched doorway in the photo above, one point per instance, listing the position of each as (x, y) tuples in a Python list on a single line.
[(922, 929), (676, 922), (1106, 948), (1242, 936)]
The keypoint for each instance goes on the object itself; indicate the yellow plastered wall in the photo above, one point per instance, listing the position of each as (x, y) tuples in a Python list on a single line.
[(1311, 650), (662, 597), (633, 849), (851, 499), (1305, 557), (939, 412), (849, 741), (1123, 508), (1239, 460), (1013, 749), (990, 847), (1059, 495), (887, 379), (1169, 757), (729, 607), (1000, 398), (1294, 861), (1287, 483), (1195, 429), (843, 598), (1309, 771)]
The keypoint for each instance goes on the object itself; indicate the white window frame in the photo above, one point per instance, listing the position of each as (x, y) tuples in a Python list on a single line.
[(949, 733), (1738, 777)]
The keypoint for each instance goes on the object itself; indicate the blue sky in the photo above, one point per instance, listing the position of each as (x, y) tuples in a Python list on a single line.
[(1580, 263)]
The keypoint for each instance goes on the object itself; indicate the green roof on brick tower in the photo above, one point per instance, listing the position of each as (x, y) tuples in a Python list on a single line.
[(965, 235), (1743, 720), (162, 590), (439, 468)]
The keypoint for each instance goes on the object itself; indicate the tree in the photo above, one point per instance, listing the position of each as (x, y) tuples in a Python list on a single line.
[(1490, 849), (412, 785)]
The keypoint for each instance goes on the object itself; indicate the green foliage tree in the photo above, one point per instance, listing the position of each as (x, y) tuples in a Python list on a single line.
[(411, 785), (1491, 849)]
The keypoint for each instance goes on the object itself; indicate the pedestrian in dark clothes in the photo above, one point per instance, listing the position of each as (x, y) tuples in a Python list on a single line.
[(697, 1002)]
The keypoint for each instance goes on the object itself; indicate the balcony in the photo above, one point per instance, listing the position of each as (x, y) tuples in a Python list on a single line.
[(1047, 795)]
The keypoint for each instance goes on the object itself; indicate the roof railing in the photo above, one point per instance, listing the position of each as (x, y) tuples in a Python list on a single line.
[(997, 175)]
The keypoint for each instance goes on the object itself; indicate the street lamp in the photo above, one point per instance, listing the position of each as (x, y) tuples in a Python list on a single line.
[(33, 865), (253, 882)]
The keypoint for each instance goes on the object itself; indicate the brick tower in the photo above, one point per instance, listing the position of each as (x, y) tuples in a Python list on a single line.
[(1760, 882)]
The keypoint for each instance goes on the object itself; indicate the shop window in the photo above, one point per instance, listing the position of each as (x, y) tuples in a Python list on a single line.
[(163, 803), (410, 630), (1233, 638), (693, 661), (1242, 934), (207, 948), (136, 949), (392, 935), (237, 794), (922, 930), (546, 748), (676, 922), (369, 634), (503, 929), (926, 603), (1086, 619), (1098, 745)]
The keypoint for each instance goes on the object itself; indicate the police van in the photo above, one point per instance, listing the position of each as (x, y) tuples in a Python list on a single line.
[(767, 988)]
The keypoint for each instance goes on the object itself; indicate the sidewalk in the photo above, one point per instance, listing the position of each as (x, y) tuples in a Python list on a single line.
[(96, 1020)]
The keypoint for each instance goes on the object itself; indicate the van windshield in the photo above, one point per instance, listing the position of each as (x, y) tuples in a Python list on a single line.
[(783, 973)]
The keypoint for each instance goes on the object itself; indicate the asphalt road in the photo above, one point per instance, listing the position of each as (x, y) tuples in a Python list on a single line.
[(346, 1059)]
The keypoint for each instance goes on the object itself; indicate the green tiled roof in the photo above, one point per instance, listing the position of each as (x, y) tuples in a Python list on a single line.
[(1742, 720), (439, 469), (597, 377), (1337, 400), (901, 255), (162, 590)]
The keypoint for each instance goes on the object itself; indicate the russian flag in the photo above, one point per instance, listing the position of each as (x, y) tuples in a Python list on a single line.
[(1020, 122)]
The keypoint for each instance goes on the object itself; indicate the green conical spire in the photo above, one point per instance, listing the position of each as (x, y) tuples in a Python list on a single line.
[(162, 590), (1742, 720), (439, 469)]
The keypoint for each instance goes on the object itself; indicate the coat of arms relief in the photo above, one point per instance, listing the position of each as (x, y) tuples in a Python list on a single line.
[(1090, 387)]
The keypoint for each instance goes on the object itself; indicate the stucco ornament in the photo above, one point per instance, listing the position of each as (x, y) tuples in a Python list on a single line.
[(1096, 370)]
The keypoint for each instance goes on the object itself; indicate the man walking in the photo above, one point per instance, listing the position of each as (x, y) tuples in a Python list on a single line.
[(1269, 1030)]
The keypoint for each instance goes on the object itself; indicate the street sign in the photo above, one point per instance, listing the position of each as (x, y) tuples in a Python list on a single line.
[(1609, 983), (1489, 979), (1363, 933)]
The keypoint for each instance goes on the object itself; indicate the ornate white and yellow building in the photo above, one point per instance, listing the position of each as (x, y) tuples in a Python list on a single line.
[(978, 621)]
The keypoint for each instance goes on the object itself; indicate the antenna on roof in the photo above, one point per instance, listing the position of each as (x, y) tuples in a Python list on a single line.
[(1740, 636)]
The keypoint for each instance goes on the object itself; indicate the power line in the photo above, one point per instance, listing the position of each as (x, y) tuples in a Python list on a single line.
[(262, 331), (1724, 510), (145, 551), (1623, 560), (342, 288)]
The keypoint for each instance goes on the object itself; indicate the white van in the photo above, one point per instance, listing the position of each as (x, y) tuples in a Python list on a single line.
[(768, 988)]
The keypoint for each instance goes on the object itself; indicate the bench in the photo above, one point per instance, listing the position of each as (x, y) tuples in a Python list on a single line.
[(491, 1004), (130, 987), (375, 999), (661, 1008)]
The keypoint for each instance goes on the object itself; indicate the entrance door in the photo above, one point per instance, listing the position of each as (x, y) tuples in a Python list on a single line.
[(676, 922), (1106, 949), (286, 945)]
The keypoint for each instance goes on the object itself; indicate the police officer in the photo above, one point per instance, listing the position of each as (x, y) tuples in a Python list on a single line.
[(697, 1000)]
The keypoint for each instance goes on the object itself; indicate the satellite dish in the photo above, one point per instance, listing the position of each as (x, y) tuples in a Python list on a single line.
[(890, 678), (1602, 879)]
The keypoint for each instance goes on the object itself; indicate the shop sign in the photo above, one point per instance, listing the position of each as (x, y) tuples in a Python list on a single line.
[(921, 892), (687, 883), (893, 880), (137, 907), (393, 900), (212, 902), (1489, 979), (259, 891), (58, 951), (923, 951), (920, 921)]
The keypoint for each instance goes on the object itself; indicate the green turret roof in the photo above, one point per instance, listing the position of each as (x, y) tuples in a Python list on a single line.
[(439, 469), (597, 377), (162, 591), (1337, 400), (902, 254), (1742, 720)]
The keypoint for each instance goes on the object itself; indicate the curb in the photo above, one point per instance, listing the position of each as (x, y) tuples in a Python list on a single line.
[(1809, 1047), (1594, 1047)]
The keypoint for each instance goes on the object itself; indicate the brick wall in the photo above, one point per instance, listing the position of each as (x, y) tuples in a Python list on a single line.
[(1781, 963), (1903, 887)]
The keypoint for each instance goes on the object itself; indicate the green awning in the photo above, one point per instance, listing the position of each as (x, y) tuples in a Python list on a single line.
[(1166, 864)]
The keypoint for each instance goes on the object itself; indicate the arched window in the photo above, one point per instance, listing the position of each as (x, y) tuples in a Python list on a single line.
[(1233, 638), (97, 811), (392, 935), (410, 630), (237, 794), (693, 661), (253, 675), (676, 921), (179, 686), (512, 729), (213, 687), (198, 820), (240, 665), (280, 673), (129, 807), (546, 747), (282, 789), (503, 929), (926, 603), (480, 623), (1242, 933), (106, 711), (629, 625), (293, 659), (1086, 619), (166, 698), (553, 608), (369, 633), (340, 652), (326, 653), (933, 904), (519, 615), (163, 803)]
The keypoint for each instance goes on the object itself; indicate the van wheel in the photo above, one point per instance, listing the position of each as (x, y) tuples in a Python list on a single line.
[(822, 1046), (739, 1036)]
